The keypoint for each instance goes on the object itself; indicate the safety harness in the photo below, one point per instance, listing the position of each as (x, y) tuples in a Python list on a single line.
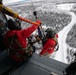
[(26, 51), (44, 40), (57, 44)]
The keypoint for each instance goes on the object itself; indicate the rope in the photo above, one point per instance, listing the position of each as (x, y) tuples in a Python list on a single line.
[(40, 30)]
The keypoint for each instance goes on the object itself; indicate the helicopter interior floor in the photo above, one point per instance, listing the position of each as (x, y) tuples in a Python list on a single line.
[(34, 66)]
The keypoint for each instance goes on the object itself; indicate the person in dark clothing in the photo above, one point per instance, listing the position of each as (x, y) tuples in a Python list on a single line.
[(1, 1), (18, 45)]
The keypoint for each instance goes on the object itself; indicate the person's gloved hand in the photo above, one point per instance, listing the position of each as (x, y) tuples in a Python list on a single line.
[(37, 38), (56, 35), (39, 22), (57, 47)]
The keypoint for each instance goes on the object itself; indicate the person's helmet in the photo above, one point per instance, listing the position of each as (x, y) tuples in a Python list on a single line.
[(12, 25), (50, 33), (18, 22)]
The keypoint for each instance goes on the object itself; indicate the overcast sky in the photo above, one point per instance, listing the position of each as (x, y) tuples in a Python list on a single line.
[(10, 1)]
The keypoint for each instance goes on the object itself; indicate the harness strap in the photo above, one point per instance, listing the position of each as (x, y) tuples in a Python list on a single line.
[(13, 39), (57, 45), (27, 51), (55, 39)]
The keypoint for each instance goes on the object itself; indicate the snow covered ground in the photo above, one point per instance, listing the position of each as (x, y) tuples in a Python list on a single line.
[(62, 52), (62, 40)]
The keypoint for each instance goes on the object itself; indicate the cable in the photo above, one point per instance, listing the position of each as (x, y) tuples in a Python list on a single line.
[(40, 30)]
